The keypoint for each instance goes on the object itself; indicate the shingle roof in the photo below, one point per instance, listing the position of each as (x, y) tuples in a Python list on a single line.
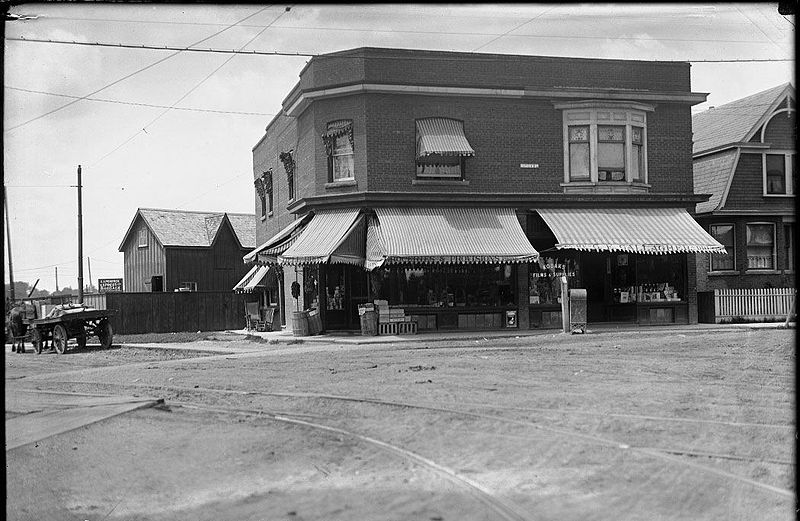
[(186, 228), (711, 176), (730, 123)]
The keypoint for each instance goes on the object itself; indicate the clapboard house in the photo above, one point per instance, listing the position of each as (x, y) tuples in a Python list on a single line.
[(744, 157), (174, 250)]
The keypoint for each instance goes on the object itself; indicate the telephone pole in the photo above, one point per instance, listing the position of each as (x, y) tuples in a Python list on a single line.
[(89, 262), (8, 242), (56, 279), (80, 240)]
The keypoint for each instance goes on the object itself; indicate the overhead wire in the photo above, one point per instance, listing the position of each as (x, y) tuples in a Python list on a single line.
[(488, 57), (137, 104), (123, 78), (185, 95), (514, 29)]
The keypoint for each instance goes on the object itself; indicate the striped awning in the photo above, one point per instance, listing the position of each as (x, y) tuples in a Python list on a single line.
[(446, 236), (635, 230), (442, 136), (268, 251), (252, 279), (335, 235)]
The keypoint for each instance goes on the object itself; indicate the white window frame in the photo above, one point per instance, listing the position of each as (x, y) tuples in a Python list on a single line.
[(732, 253), (143, 242), (774, 248), (188, 286), (787, 172), (598, 113)]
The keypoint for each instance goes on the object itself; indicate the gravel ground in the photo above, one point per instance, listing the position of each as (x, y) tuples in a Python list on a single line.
[(613, 426)]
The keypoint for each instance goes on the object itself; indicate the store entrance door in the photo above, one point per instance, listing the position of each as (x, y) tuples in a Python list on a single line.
[(594, 267), (345, 287)]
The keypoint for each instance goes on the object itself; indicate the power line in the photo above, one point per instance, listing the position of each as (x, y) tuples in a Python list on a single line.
[(129, 75), (134, 104), (185, 95), (514, 29), (477, 56)]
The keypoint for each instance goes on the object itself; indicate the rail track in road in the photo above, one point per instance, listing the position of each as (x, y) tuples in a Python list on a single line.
[(666, 455)]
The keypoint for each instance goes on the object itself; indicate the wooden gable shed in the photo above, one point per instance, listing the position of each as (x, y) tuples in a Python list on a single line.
[(168, 250)]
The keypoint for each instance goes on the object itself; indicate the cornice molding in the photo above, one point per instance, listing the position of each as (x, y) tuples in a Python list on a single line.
[(295, 105)]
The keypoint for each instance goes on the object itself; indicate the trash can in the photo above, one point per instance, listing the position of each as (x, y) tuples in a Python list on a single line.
[(314, 322), (577, 310), (369, 323), (300, 323)]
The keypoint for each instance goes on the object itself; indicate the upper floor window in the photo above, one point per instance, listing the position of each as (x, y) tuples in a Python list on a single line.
[(143, 238), (263, 186), (288, 164), (779, 173), (605, 142), (441, 148), (725, 235), (338, 139), (760, 246)]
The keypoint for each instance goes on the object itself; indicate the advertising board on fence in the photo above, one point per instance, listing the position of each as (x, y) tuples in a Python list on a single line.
[(109, 285)]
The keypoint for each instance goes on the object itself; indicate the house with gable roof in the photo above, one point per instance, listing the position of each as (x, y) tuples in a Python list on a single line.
[(169, 250), (744, 157)]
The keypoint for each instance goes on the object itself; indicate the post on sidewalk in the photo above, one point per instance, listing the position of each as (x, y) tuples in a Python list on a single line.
[(564, 305)]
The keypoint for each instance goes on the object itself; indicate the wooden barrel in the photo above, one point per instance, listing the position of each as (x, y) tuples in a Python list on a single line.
[(314, 322), (300, 323)]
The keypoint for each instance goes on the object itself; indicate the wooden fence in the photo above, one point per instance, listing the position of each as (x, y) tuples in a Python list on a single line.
[(173, 312), (753, 305)]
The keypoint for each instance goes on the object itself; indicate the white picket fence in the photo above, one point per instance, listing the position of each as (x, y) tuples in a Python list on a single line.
[(753, 304)]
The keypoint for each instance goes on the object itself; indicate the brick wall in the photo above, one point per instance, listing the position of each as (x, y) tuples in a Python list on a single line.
[(397, 66)]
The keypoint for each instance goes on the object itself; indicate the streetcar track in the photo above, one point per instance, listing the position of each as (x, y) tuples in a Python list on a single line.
[(506, 509), (565, 432)]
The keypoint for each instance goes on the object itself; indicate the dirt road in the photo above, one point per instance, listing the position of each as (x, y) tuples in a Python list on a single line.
[(607, 426)]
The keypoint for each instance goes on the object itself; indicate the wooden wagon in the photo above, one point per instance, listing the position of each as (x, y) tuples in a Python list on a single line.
[(71, 322)]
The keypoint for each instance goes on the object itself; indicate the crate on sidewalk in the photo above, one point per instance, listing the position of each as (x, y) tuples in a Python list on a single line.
[(397, 328)]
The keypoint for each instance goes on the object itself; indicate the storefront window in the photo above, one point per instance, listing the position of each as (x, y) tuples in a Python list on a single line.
[(335, 288), (447, 286), (544, 284)]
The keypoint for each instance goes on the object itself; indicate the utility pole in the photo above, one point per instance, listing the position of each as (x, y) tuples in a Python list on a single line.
[(8, 241), (89, 260), (56, 279), (80, 240)]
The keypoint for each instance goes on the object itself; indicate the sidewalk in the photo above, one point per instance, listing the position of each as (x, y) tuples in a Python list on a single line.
[(285, 336)]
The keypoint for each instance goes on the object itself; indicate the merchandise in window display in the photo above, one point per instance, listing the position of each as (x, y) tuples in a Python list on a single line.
[(544, 285)]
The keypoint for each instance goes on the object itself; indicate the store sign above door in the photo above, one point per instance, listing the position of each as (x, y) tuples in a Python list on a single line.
[(529, 165)]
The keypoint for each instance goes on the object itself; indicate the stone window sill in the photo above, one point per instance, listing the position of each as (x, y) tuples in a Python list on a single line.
[(440, 182), (340, 184), (723, 273), (763, 272), (778, 196)]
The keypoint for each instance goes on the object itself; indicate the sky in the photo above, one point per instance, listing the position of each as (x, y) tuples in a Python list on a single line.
[(154, 128)]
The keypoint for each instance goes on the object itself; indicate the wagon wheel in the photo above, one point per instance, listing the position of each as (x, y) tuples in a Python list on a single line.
[(36, 340), (105, 333), (60, 338)]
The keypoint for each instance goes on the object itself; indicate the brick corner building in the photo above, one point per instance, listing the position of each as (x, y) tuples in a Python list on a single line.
[(463, 186)]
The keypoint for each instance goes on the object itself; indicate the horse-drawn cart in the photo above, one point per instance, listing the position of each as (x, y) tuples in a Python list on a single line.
[(71, 321)]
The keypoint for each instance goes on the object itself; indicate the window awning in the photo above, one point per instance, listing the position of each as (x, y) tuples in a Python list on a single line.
[(446, 236), (442, 136), (277, 244), (635, 230), (336, 236), (252, 279)]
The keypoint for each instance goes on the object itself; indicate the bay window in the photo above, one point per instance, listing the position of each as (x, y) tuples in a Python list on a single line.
[(605, 143)]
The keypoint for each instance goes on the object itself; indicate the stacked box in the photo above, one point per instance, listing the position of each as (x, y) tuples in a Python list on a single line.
[(396, 315), (382, 306)]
